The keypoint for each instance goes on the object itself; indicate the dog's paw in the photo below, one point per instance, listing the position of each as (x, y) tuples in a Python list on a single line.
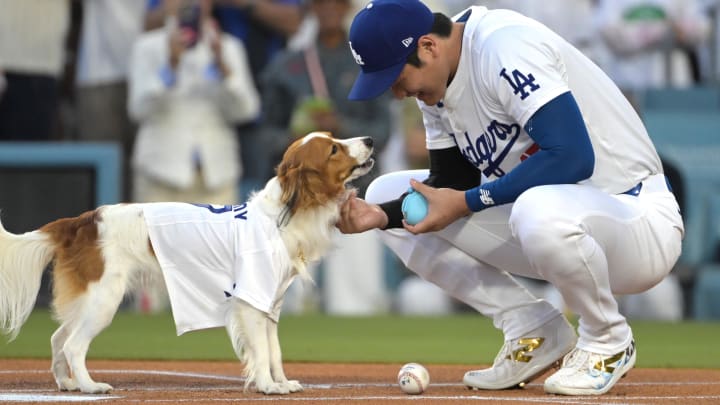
[(97, 388), (67, 384), (294, 386), (274, 389)]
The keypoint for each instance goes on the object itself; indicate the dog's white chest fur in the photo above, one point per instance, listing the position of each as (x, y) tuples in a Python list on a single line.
[(211, 253)]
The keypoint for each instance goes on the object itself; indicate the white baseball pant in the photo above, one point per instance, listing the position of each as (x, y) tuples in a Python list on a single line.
[(587, 243)]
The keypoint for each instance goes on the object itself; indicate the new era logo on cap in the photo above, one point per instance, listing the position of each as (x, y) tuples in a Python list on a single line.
[(382, 36), (358, 58)]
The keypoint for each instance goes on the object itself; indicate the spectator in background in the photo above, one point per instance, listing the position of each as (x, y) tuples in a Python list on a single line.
[(571, 19), (264, 26), (32, 52), (648, 41), (189, 86), (305, 91), (109, 28), (709, 55), (652, 44)]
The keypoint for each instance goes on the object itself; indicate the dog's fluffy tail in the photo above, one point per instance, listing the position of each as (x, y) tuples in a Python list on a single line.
[(22, 261)]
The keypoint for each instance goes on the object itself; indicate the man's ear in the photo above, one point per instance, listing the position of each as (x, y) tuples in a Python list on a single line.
[(427, 44)]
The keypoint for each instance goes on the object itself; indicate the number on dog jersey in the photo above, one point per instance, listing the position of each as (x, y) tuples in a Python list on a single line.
[(240, 210)]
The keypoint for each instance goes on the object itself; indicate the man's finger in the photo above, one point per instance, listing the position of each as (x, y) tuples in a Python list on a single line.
[(420, 187)]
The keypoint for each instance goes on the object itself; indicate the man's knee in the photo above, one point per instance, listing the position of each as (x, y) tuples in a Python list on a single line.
[(392, 185)]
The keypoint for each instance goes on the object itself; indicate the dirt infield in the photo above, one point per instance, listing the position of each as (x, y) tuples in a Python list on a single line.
[(30, 381)]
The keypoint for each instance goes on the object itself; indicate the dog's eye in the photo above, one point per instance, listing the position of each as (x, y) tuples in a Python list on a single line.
[(334, 149)]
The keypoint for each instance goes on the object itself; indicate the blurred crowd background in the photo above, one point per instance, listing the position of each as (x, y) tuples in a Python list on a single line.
[(197, 100)]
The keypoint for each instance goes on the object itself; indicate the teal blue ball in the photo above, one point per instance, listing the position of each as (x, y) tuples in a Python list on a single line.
[(414, 208)]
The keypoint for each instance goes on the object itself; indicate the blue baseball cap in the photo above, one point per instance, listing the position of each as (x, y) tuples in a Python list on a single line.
[(382, 36)]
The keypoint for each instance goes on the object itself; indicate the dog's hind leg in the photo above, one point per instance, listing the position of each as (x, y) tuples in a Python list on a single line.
[(276, 367), (101, 302), (248, 332), (60, 368)]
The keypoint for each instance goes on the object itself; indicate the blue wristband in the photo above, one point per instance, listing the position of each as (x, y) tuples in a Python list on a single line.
[(478, 198)]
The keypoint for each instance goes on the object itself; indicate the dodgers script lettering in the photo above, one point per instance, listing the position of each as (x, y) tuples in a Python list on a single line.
[(483, 151)]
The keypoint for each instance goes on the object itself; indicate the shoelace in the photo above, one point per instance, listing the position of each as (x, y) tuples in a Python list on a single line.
[(505, 351), (577, 359)]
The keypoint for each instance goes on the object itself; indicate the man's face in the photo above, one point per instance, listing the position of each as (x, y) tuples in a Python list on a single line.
[(426, 83)]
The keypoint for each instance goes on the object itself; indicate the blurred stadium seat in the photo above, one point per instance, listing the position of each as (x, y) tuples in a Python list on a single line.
[(690, 141), (103, 158), (685, 127), (674, 99), (43, 181), (706, 293), (679, 127)]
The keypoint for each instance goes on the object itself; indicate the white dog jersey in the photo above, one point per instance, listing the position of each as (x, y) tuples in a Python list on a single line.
[(210, 253)]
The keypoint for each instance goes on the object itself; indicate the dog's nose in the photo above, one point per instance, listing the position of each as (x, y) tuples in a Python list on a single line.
[(368, 141)]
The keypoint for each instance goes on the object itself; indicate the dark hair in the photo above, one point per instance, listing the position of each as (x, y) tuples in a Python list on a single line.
[(442, 26)]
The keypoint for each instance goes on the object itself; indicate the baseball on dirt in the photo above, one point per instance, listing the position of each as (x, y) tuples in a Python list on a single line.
[(414, 208), (413, 378)]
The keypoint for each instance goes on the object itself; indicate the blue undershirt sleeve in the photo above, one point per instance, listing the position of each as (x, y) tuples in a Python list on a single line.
[(565, 156)]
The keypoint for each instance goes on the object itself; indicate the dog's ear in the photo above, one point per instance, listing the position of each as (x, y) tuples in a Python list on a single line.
[(295, 183), (290, 179), (302, 186)]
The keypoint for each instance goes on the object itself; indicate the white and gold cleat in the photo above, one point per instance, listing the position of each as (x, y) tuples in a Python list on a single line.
[(586, 373), (524, 359)]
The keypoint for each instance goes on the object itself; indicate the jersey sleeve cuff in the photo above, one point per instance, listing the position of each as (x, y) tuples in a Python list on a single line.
[(167, 75)]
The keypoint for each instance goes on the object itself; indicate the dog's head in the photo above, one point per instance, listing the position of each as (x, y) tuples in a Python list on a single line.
[(316, 168)]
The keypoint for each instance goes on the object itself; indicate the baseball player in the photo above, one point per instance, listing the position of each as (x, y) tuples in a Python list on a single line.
[(539, 167)]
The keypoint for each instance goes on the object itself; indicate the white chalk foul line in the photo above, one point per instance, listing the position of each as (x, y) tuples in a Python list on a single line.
[(53, 398), (135, 372), (460, 398), (34, 396), (220, 377)]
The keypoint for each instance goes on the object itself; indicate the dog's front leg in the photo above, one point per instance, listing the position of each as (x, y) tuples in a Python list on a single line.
[(276, 367), (248, 331)]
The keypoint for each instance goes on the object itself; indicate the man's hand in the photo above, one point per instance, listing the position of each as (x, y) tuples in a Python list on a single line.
[(214, 34), (356, 216), (445, 206)]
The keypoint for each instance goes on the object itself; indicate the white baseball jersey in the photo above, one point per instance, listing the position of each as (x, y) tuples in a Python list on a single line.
[(589, 240), (494, 93), (211, 253)]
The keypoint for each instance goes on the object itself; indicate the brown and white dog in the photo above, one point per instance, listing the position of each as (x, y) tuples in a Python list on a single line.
[(98, 255)]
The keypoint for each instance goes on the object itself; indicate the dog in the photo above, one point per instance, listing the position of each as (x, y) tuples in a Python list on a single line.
[(224, 266)]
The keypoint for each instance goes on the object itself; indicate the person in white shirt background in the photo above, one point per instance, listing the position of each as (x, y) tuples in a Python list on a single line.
[(32, 56), (108, 31), (189, 86), (648, 41)]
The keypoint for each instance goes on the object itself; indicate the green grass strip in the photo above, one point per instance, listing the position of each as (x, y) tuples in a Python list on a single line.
[(456, 339)]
